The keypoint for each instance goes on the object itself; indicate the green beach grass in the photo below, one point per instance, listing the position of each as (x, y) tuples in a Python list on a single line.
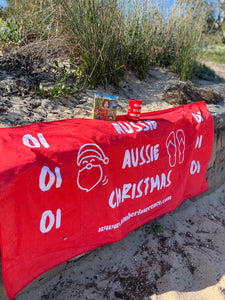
[(108, 37)]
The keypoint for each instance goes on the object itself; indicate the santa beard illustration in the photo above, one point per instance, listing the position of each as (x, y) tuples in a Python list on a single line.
[(90, 160), (89, 176)]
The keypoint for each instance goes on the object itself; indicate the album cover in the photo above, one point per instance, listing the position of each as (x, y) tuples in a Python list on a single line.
[(105, 107)]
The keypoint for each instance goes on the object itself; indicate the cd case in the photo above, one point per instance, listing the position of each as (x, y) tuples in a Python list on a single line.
[(105, 107)]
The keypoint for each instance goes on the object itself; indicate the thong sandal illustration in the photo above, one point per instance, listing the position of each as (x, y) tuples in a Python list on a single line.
[(171, 148), (181, 144)]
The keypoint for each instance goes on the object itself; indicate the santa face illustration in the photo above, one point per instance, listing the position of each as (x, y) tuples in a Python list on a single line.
[(90, 159)]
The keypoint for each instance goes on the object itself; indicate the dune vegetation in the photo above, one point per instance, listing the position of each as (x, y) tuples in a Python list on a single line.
[(105, 38)]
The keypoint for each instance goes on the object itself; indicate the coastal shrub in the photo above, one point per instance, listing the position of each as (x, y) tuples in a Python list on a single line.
[(181, 36), (34, 19), (108, 37), (66, 82), (140, 31), (97, 30), (113, 35), (214, 53), (9, 32), (206, 73)]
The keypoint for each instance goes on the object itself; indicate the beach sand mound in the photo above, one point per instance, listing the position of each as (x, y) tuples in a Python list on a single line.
[(185, 92)]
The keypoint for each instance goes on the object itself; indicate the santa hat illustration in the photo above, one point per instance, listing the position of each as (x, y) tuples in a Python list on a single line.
[(91, 150)]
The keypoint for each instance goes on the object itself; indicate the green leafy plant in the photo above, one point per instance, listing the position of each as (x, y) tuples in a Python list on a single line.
[(57, 91), (156, 228), (68, 80), (9, 32)]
